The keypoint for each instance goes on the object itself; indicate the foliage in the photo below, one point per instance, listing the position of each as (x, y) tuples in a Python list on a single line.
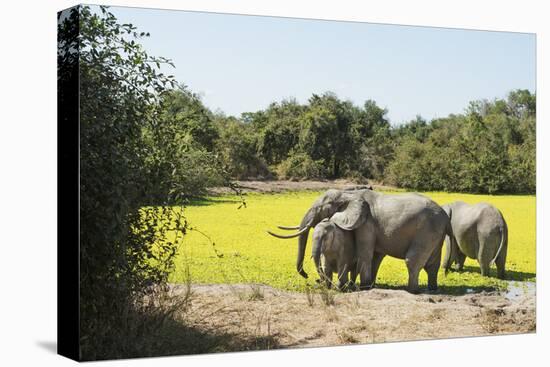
[(236, 147), (278, 130), (131, 156), (301, 166), (193, 122), (183, 141), (245, 253), (490, 149)]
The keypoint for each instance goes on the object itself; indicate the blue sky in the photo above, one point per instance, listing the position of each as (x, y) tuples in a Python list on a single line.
[(243, 63)]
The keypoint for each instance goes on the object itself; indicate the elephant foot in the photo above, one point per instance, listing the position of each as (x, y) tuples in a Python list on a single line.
[(413, 290), (365, 287)]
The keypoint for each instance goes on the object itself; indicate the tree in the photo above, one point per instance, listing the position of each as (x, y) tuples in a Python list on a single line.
[(278, 130), (128, 179), (237, 148), (193, 121), (489, 149), (325, 133), (372, 147)]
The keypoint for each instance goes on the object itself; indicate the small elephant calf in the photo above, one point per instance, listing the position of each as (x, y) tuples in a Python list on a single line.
[(338, 248)]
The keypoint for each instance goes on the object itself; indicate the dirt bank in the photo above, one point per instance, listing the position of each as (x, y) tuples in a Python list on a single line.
[(268, 318), (285, 185)]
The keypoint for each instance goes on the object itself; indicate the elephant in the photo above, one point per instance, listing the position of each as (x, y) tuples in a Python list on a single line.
[(338, 248), (479, 232), (406, 226)]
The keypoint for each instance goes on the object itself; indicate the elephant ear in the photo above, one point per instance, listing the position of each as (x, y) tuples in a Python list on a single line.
[(353, 216)]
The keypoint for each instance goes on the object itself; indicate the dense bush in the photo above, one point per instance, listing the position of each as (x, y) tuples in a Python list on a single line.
[(237, 149), (145, 146), (301, 166), (490, 149)]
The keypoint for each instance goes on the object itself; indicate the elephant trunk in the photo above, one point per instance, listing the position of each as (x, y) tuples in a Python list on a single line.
[(307, 222), (316, 253), (302, 240)]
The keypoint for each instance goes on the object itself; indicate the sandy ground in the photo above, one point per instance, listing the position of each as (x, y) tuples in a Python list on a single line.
[(273, 318), (285, 185)]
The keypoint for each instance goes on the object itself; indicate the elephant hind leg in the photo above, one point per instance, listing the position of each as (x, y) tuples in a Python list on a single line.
[(484, 255), (460, 259), (414, 270), (501, 264), (432, 268), (485, 268)]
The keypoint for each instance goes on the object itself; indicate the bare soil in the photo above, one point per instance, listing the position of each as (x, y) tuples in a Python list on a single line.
[(268, 318), (277, 186)]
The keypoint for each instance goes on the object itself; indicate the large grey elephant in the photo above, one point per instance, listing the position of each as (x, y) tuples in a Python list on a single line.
[(406, 226), (479, 232), (338, 249)]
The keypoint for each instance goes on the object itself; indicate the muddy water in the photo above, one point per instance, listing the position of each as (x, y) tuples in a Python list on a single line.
[(517, 290)]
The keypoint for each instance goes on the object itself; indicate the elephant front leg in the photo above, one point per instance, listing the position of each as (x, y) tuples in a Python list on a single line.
[(376, 261), (343, 280), (364, 264), (364, 241), (327, 277)]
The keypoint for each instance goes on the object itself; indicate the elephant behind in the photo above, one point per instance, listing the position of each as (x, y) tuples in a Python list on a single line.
[(479, 232), (338, 249)]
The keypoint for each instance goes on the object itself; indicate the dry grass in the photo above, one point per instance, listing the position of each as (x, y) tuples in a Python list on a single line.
[(284, 319)]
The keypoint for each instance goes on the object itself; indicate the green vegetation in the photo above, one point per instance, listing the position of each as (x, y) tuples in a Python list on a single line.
[(243, 252), (133, 153), (490, 148)]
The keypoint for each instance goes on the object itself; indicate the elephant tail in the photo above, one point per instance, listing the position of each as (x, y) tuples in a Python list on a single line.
[(449, 245), (503, 242)]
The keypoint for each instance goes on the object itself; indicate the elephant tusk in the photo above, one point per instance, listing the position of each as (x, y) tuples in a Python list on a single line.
[(288, 228), (290, 235)]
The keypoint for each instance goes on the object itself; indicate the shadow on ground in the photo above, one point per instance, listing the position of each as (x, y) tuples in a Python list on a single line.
[(455, 290), (208, 201), (50, 346), (174, 337), (520, 276)]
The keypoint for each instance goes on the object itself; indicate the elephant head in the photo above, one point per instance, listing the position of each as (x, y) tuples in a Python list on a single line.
[(347, 208)]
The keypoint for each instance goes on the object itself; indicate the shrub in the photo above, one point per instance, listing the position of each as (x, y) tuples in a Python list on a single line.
[(301, 166)]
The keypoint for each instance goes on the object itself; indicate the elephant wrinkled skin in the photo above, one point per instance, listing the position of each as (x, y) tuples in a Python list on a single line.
[(479, 232), (338, 249), (406, 226)]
